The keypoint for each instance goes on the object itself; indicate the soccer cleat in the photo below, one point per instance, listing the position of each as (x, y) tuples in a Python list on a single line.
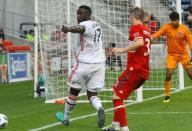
[(60, 117), (167, 99), (110, 129), (101, 117)]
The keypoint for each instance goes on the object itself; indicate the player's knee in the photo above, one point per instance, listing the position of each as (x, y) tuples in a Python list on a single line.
[(168, 77), (74, 91), (190, 74), (169, 73), (91, 93), (189, 71)]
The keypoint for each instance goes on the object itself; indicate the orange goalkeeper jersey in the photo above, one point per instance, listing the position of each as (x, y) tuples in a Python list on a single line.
[(176, 38)]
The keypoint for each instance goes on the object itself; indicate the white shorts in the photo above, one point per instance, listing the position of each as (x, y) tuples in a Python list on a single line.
[(91, 76)]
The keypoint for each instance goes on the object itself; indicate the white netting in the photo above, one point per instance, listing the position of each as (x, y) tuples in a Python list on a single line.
[(113, 16), (159, 11), (53, 46)]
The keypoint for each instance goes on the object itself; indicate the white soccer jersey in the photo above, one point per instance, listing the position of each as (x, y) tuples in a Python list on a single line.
[(89, 44)]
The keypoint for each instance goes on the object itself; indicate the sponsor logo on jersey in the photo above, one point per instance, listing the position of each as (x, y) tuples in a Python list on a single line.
[(145, 32)]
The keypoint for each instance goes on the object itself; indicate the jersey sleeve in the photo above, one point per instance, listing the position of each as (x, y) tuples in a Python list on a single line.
[(161, 32), (86, 26), (189, 37)]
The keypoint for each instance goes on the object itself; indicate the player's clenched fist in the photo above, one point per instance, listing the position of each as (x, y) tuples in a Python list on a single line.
[(64, 29)]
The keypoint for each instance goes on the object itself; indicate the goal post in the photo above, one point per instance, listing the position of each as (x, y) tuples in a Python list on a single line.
[(36, 48), (139, 91), (181, 73), (57, 48)]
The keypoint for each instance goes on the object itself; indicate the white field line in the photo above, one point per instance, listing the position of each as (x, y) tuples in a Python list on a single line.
[(106, 110), (154, 113)]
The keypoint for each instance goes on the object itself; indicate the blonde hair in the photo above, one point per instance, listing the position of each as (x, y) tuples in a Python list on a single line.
[(138, 13)]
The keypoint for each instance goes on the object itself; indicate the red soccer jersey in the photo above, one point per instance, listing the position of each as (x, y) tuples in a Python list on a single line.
[(138, 60)]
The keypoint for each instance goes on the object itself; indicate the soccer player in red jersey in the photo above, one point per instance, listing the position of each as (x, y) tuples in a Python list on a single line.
[(137, 70)]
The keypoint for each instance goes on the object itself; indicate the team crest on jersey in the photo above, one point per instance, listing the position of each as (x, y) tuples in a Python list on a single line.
[(179, 34)]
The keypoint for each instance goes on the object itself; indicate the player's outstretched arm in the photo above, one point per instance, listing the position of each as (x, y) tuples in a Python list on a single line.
[(136, 44), (159, 33), (73, 29)]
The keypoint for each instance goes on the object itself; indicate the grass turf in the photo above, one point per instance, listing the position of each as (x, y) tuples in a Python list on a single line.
[(24, 112)]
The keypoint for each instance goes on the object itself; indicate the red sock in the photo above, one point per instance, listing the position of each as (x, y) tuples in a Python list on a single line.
[(119, 112), (116, 103)]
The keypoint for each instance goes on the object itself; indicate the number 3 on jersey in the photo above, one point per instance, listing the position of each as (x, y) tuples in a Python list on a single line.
[(97, 35), (148, 47)]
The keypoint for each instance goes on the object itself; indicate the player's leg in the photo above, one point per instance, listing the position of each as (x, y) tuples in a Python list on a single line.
[(189, 71), (94, 84), (119, 118), (125, 85), (69, 105), (96, 103), (119, 115), (169, 74), (70, 102), (76, 82), (187, 64), (171, 63), (94, 100)]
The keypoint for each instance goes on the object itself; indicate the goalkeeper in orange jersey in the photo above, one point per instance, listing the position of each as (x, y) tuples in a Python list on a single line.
[(177, 36)]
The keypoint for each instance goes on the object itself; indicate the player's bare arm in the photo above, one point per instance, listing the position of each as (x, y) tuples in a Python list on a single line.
[(136, 44), (191, 57), (73, 29)]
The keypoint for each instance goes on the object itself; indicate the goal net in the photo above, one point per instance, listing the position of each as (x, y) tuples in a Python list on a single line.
[(57, 48)]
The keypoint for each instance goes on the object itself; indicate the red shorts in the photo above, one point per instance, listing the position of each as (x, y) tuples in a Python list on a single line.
[(127, 82)]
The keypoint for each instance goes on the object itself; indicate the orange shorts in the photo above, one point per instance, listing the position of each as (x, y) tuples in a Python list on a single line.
[(173, 60)]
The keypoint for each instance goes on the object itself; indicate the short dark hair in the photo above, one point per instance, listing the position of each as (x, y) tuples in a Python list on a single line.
[(174, 16), (138, 13), (86, 8)]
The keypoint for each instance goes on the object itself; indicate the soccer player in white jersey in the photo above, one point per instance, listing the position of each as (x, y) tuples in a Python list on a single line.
[(89, 70)]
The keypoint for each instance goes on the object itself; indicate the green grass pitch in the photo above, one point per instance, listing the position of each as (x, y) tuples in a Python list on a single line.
[(25, 113)]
